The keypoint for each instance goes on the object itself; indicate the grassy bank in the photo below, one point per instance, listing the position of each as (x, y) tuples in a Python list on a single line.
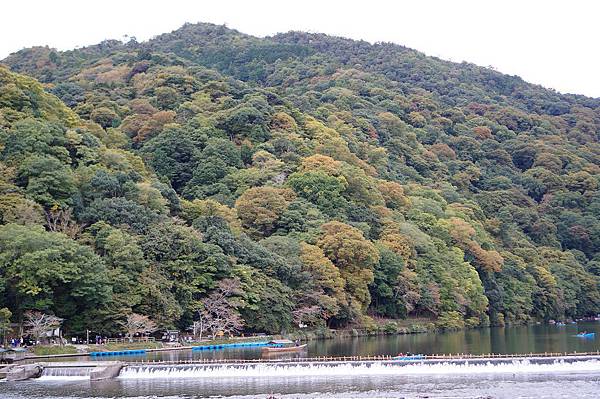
[(373, 328), (157, 345), (45, 350), (370, 328), (121, 346)]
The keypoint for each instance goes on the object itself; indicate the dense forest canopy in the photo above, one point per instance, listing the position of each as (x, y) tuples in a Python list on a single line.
[(324, 181)]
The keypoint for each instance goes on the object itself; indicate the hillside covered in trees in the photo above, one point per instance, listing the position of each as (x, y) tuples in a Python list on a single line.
[(301, 178)]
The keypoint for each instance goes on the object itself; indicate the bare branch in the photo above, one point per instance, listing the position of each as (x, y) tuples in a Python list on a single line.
[(217, 313), (307, 315), (39, 324), (138, 324), (60, 220)]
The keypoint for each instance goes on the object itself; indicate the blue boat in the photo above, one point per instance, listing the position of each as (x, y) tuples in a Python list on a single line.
[(586, 335), (409, 357), (119, 353)]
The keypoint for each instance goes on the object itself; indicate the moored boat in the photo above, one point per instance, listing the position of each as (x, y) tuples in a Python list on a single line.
[(409, 357), (298, 348), (283, 345), (586, 335)]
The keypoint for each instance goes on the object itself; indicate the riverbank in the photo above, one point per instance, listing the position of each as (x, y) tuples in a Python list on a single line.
[(374, 328), (59, 351), (398, 327), (535, 338)]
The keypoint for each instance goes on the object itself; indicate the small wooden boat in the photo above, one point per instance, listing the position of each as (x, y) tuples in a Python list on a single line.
[(282, 349), (282, 346)]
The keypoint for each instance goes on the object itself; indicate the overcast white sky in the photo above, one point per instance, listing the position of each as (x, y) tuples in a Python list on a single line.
[(550, 42)]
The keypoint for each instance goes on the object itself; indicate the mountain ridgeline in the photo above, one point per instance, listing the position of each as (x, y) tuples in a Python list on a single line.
[(304, 178)]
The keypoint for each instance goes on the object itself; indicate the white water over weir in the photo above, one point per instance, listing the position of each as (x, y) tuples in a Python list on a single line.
[(62, 373), (569, 364)]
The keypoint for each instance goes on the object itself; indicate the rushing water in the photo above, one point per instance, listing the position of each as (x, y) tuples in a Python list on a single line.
[(505, 380), (511, 380)]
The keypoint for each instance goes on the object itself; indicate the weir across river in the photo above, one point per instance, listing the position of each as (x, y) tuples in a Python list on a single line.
[(311, 367), (444, 357)]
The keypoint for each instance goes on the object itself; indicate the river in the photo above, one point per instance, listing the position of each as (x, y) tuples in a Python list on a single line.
[(513, 380)]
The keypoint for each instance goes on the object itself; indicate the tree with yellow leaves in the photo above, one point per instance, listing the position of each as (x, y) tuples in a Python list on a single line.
[(354, 255), (260, 207)]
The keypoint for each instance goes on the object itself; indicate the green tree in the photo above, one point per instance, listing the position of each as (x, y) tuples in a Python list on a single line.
[(46, 180), (321, 189), (105, 117), (33, 137), (266, 304), (49, 271), (190, 264), (173, 154), (5, 316), (120, 212), (167, 97)]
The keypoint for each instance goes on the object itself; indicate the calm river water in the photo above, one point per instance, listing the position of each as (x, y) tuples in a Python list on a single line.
[(518, 380)]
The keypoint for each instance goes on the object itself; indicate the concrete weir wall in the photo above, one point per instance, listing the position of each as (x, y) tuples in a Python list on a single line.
[(24, 372), (105, 372), (99, 370)]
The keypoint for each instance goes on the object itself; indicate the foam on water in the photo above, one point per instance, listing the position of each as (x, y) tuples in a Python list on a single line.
[(346, 369), (63, 378)]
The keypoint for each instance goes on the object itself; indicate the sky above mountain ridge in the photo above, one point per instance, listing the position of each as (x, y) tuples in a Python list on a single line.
[(552, 43)]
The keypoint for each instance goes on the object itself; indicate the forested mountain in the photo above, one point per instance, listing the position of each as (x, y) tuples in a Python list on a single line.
[(325, 181)]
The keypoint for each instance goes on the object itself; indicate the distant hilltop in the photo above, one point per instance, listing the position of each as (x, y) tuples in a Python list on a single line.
[(215, 182)]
